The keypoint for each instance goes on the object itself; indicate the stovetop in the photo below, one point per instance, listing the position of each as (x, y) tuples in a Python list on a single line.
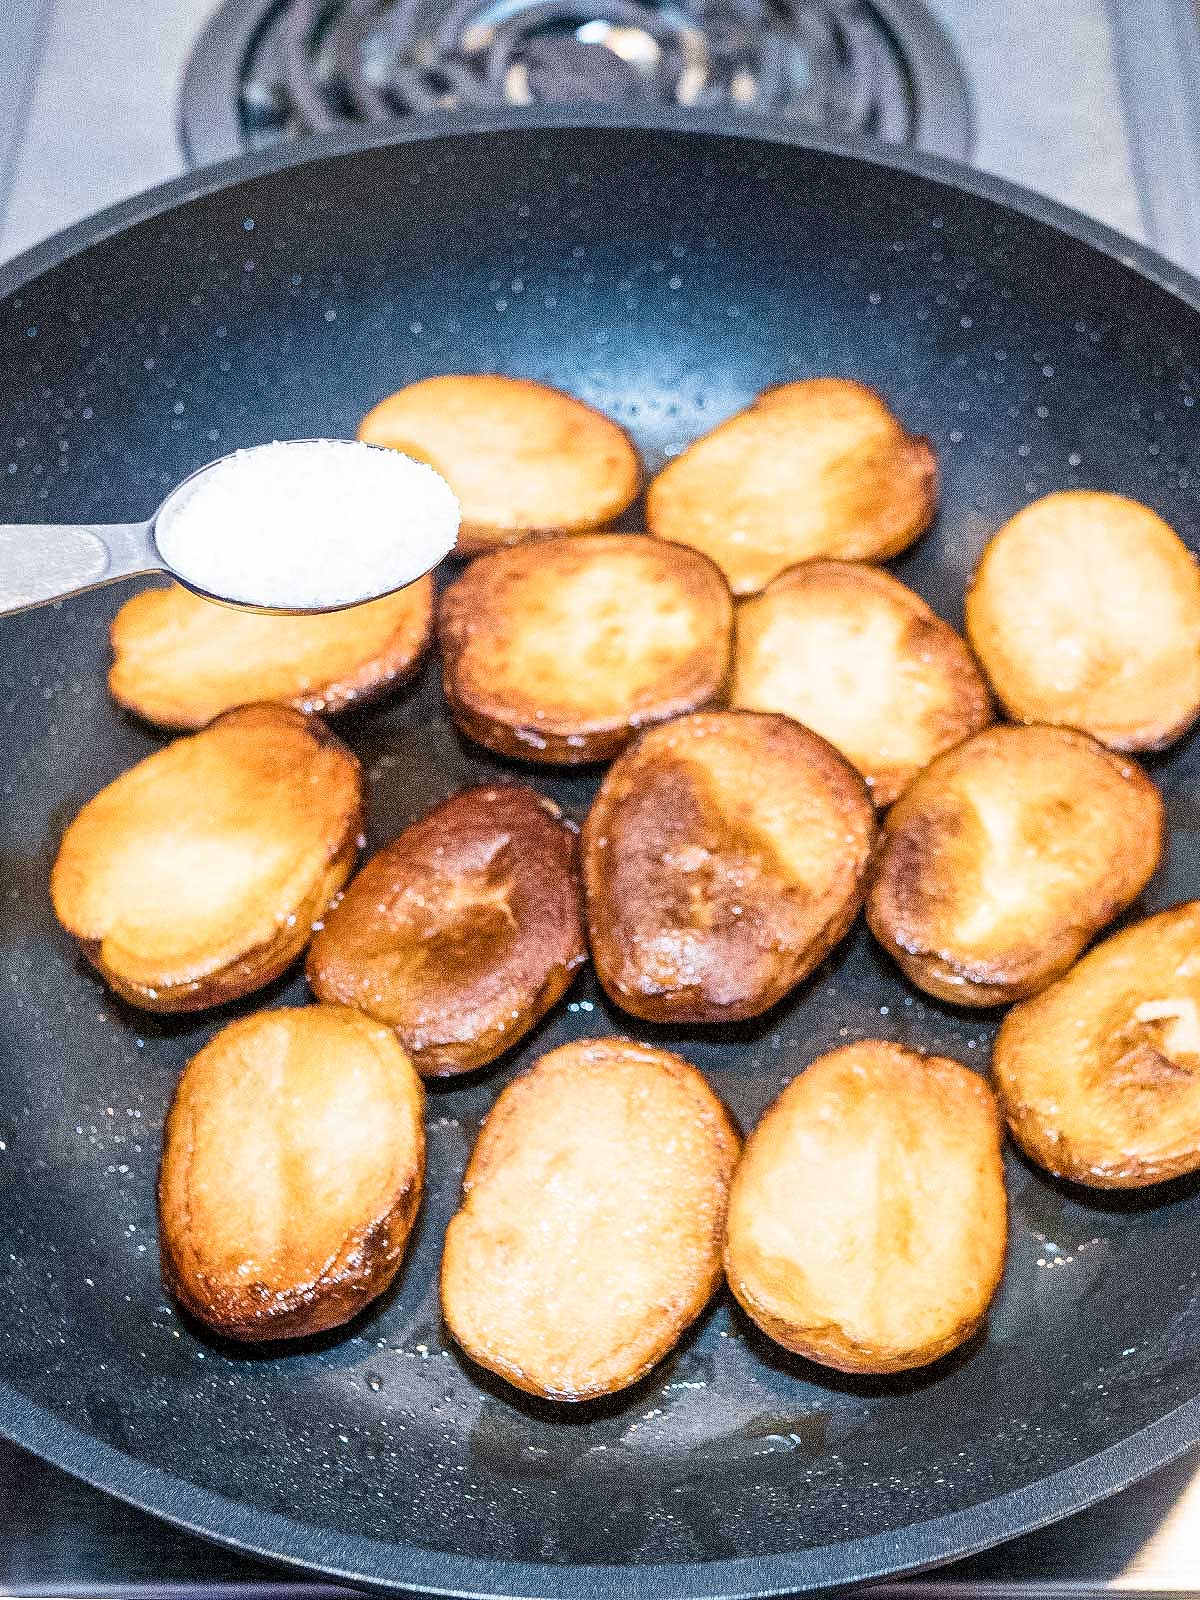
[(1096, 102), (1080, 100), (883, 68)]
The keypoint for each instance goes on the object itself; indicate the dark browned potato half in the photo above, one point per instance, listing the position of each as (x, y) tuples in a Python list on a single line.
[(862, 660), (868, 1219), (723, 858), (197, 876), (179, 661), (521, 457), (592, 1218), (293, 1158), (819, 468), (1006, 856), (462, 932), (560, 650), (1085, 611), (1099, 1075)]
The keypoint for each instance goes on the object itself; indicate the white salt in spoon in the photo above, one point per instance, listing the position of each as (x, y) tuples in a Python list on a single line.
[(308, 525)]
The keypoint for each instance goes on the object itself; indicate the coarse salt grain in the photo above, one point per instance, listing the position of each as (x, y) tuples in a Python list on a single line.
[(310, 524)]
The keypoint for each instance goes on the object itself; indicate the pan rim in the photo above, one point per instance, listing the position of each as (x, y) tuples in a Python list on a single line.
[(388, 1566), (1165, 274)]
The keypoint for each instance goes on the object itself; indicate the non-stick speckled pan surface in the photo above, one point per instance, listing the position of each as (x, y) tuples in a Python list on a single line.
[(665, 275)]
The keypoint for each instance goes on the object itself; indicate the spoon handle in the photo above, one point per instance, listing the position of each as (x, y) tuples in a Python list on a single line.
[(41, 562)]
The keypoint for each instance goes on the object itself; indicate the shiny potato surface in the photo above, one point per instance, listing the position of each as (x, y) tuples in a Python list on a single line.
[(848, 651), (560, 650), (724, 857), (1006, 856), (292, 1166), (818, 468), (463, 932), (593, 1212), (197, 875), (521, 457), (1085, 611), (868, 1218), (179, 661), (1099, 1075)]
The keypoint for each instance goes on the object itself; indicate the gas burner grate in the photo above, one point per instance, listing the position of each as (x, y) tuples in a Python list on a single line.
[(265, 70)]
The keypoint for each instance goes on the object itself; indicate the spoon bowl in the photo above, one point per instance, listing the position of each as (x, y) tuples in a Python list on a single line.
[(43, 562)]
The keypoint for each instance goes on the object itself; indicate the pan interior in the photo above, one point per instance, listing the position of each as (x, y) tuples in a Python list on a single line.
[(665, 279)]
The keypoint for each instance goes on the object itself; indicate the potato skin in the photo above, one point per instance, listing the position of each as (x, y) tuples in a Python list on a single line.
[(724, 857), (938, 868), (589, 1236), (842, 1243), (263, 1067), (1092, 1091), (862, 660), (179, 661), (559, 651), (522, 457), (270, 748), (810, 469), (463, 932), (1084, 611)]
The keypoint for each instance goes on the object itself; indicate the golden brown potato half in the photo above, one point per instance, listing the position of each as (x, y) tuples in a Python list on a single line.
[(1099, 1075), (593, 1212), (521, 457), (560, 650), (461, 933), (197, 876), (820, 468), (1085, 611), (179, 661), (723, 858), (292, 1164), (1006, 856), (867, 1219), (864, 662)]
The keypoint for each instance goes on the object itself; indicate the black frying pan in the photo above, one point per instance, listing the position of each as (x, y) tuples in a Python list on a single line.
[(665, 274)]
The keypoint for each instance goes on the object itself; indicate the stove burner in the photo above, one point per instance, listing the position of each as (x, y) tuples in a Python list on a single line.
[(265, 70)]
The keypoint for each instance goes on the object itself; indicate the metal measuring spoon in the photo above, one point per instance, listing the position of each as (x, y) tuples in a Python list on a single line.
[(41, 562)]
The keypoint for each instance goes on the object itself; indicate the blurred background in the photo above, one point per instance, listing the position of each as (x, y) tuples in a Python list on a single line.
[(1095, 102)]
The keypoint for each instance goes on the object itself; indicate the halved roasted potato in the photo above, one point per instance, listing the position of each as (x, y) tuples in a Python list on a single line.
[(723, 858), (293, 1158), (179, 661), (521, 457), (868, 1221), (1085, 611), (1005, 857), (1099, 1075), (560, 650), (197, 876), (462, 932), (592, 1218), (819, 468), (863, 661)]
